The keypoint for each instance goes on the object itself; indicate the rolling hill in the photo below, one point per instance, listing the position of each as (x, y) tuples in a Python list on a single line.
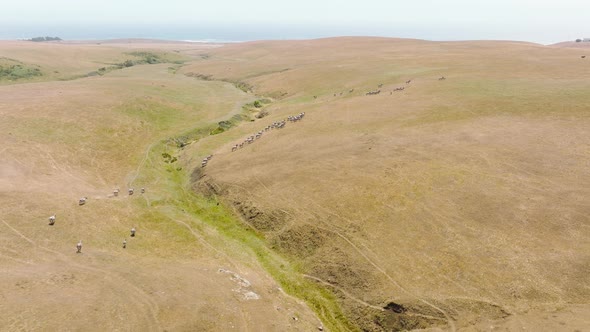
[(455, 198)]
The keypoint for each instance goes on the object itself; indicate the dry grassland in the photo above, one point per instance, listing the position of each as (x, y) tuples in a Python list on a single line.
[(455, 204), (62, 140), (463, 200)]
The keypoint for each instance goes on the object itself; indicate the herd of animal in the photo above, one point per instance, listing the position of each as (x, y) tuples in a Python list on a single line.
[(275, 125), (249, 140), (294, 118), (378, 90), (83, 200), (206, 160)]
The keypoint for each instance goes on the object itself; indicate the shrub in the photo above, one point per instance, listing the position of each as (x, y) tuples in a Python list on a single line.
[(216, 131), (147, 57), (261, 114), (15, 72), (225, 124), (578, 40)]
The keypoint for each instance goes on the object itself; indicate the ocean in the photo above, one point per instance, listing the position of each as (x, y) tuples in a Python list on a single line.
[(249, 32)]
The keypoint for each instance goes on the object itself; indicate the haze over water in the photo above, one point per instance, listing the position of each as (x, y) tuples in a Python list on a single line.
[(541, 21), (249, 32)]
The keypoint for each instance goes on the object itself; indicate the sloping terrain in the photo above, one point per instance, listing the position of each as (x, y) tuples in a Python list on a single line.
[(459, 202), (63, 140), (456, 198), (581, 45)]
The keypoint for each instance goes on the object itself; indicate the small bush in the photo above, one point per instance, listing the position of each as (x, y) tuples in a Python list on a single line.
[(168, 158), (243, 86), (578, 40), (200, 76), (225, 124), (261, 114), (217, 130), (181, 141), (15, 72)]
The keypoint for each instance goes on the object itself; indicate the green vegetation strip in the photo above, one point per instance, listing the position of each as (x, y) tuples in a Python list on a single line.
[(176, 183), (18, 71), (140, 58)]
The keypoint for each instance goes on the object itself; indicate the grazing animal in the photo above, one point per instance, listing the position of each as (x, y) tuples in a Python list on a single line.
[(373, 92), (142, 190), (124, 244), (408, 81), (258, 135), (52, 220), (206, 160), (583, 56), (82, 200), (380, 85), (442, 78), (351, 91), (133, 232), (116, 192), (315, 97), (79, 247), (130, 191)]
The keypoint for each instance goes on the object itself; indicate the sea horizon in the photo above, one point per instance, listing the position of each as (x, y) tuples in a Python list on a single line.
[(245, 33)]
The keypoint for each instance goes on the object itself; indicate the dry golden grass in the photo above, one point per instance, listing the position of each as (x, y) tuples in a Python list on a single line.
[(465, 200), (62, 140)]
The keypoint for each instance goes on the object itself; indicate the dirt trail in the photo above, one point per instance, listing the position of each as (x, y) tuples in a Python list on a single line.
[(340, 289), (124, 287), (333, 229), (140, 165)]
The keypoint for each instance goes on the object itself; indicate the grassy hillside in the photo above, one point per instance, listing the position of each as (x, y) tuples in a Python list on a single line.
[(463, 200), (62, 140), (23, 62), (451, 204)]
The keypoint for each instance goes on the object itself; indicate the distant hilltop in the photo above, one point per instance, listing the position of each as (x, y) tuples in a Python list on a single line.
[(43, 39)]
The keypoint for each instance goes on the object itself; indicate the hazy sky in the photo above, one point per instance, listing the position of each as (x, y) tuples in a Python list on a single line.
[(534, 20)]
